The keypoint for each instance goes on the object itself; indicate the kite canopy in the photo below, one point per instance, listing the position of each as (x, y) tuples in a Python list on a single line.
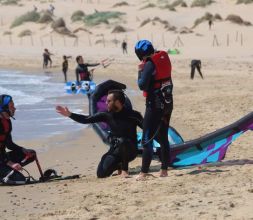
[(209, 148)]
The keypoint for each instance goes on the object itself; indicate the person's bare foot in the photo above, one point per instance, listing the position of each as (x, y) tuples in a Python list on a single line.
[(163, 173), (142, 176), (124, 174)]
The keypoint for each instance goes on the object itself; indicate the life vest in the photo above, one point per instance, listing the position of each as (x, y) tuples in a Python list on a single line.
[(6, 130), (162, 64), (84, 76)]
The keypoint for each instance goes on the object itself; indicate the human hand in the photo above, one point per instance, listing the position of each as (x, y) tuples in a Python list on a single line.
[(63, 111), (16, 166), (29, 153)]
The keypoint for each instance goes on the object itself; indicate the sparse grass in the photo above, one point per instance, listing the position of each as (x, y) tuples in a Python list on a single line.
[(29, 16), (25, 33), (102, 17), (77, 16), (201, 3), (244, 1)]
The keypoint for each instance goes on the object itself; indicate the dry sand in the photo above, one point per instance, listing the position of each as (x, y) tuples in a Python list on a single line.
[(201, 106)]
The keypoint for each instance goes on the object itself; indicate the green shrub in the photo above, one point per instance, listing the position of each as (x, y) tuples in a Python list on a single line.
[(204, 18), (29, 16), (176, 3), (58, 23), (150, 5), (244, 1), (171, 8), (201, 3), (237, 20), (77, 16), (7, 33), (25, 33), (10, 2), (101, 17), (45, 18), (120, 4)]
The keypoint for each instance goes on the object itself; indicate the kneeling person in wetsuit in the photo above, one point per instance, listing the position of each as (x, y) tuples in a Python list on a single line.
[(123, 123), (11, 162)]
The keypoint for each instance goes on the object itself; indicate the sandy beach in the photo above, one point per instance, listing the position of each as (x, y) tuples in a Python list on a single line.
[(200, 107)]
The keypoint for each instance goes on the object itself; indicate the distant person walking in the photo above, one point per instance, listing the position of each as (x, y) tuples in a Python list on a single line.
[(196, 64), (65, 66), (46, 58), (210, 23), (35, 8), (124, 47)]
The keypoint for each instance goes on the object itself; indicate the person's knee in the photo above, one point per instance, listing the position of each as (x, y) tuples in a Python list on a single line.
[(102, 173)]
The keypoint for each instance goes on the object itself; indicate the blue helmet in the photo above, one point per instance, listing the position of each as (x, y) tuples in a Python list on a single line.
[(4, 102), (143, 48)]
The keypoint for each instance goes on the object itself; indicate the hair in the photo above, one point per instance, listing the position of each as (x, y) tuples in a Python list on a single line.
[(77, 58), (64, 57), (118, 95)]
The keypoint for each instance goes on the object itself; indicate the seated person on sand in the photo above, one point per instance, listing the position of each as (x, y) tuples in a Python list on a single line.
[(123, 123), (11, 162), (82, 71)]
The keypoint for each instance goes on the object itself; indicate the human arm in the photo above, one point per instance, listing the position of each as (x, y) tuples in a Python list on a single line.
[(91, 64), (83, 119), (138, 119), (145, 76)]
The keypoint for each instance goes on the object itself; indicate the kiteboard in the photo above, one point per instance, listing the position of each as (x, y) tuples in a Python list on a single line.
[(84, 87)]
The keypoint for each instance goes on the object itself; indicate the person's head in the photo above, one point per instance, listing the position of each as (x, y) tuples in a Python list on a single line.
[(79, 59), (143, 49), (7, 107), (46, 50), (64, 57), (115, 100)]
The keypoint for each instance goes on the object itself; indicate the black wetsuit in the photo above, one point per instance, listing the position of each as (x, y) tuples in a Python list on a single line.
[(46, 58), (16, 155), (156, 119), (123, 138), (83, 72), (65, 69), (196, 64)]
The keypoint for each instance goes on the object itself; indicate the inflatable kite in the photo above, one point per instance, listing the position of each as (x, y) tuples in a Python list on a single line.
[(210, 148)]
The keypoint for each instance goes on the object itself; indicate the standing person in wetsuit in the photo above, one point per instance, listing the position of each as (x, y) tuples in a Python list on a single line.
[(82, 72), (154, 79), (123, 123), (196, 64), (17, 157), (124, 47), (65, 66), (47, 58)]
